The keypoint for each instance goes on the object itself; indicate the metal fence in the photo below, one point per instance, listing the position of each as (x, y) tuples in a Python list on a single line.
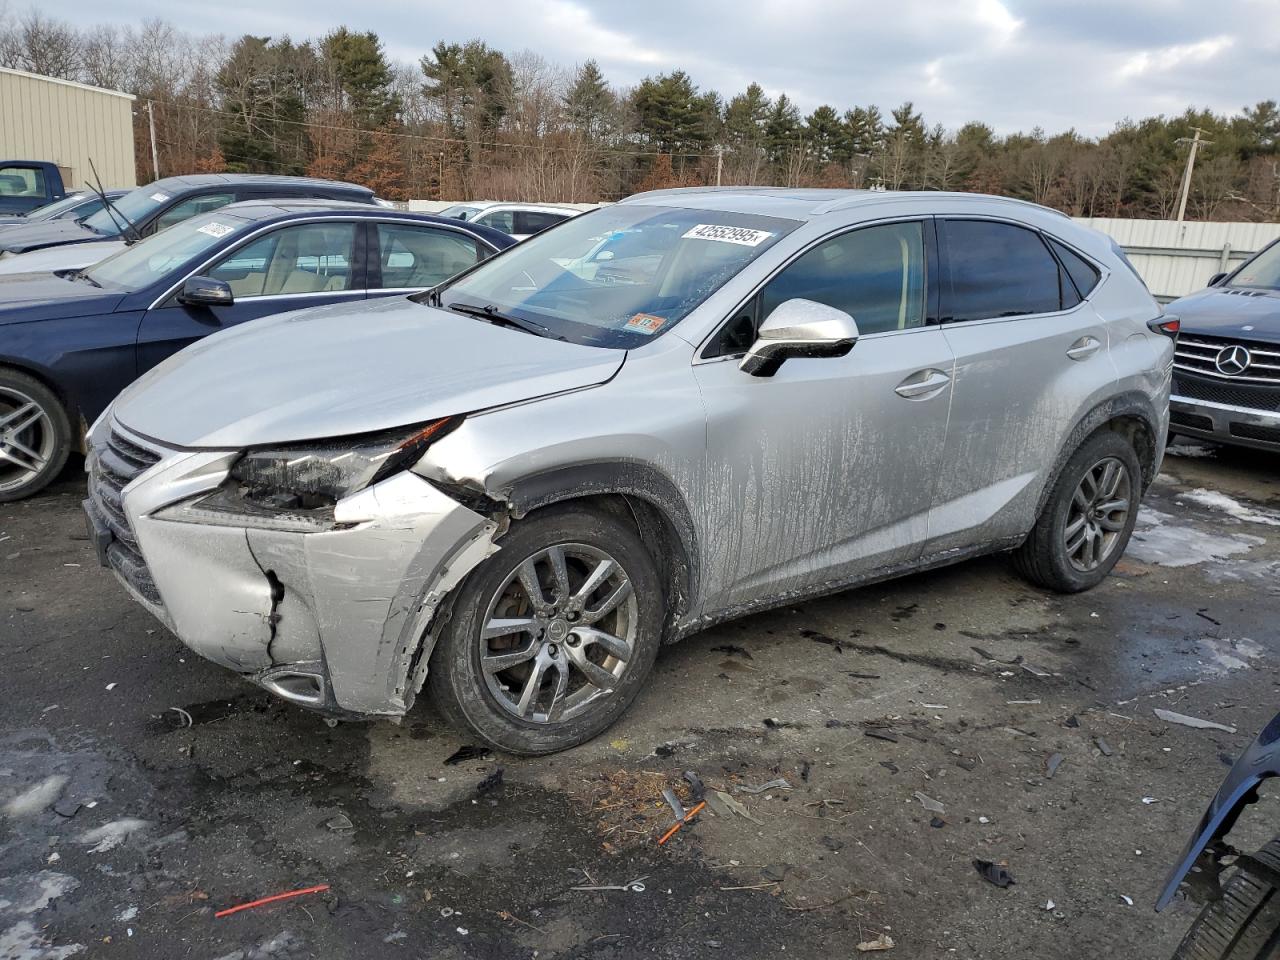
[(1179, 258)]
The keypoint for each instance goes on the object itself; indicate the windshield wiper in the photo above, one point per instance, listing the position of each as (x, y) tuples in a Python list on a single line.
[(490, 312), (112, 210)]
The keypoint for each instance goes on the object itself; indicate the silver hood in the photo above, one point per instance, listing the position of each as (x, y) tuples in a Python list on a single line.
[(348, 369)]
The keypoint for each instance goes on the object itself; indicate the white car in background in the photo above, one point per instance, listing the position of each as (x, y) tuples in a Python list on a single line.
[(71, 256), (520, 220)]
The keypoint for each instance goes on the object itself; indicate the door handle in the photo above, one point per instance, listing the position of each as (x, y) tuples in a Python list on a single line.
[(922, 385), (1084, 348)]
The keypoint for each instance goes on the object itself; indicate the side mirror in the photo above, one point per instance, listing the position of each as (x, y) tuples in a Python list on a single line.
[(799, 328), (1216, 279), (206, 292)]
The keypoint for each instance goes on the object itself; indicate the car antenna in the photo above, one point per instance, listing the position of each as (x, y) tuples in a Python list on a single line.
[(110, 207)]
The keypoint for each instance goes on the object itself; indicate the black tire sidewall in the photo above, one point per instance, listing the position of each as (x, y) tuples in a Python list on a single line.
[(57, 414), (1096, 448), (455, 680)]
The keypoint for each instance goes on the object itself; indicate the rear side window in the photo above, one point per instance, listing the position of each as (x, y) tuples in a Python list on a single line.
[(1084, 275), (531, 221), (503, 220), (188, 208), (417, 257), (998, 270)]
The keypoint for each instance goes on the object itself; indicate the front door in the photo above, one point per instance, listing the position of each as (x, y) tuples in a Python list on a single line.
[(825, 471), (289, 268)]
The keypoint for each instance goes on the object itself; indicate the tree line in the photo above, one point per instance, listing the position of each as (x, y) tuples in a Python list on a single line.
[(470, 121)]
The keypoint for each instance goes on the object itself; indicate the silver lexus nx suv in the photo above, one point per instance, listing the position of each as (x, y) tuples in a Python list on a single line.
[(688, 406)]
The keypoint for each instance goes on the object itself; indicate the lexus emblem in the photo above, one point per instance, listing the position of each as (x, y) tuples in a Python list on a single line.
[(1233, 360)]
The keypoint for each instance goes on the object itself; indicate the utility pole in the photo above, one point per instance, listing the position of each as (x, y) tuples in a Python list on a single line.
[(1186, 174), (719, 161), (155, 156)]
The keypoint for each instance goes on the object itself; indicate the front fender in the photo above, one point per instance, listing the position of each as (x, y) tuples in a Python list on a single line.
[(1260, 761)]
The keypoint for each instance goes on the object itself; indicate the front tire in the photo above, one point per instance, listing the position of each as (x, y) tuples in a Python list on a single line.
[(551, 638), (1087, 520), (35, 436), (1245, 923)]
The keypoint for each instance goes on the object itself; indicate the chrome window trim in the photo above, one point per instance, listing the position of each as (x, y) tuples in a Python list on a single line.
[(253, 235)]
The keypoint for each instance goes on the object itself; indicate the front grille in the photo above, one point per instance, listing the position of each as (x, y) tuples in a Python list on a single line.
[(1251, 431), (1254, 397), (114, 465), (1199, 354), (1193, 420)]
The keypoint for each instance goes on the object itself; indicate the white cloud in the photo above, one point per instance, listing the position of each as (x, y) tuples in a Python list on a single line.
[(996, 16), (1167, 58)]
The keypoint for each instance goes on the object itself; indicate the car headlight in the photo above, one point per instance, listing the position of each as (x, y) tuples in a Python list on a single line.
[(295, 487)]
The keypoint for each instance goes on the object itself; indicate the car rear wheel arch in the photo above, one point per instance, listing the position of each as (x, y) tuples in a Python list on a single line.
[(644, 498)]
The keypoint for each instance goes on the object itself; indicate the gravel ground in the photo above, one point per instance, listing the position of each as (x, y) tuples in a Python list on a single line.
[(919, 725)]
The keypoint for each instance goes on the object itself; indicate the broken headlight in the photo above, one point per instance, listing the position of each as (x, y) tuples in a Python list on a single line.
[(296, 487)]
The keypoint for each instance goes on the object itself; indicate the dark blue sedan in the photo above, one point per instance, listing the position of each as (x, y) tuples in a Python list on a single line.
[(71, 340)]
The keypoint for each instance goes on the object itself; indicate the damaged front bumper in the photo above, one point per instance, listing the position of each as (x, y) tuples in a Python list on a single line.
[(336, 619)]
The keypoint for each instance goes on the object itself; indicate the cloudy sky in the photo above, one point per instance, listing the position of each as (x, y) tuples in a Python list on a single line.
[(1014, 64)]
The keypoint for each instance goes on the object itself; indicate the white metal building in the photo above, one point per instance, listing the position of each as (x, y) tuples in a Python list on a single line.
[(42, 118)]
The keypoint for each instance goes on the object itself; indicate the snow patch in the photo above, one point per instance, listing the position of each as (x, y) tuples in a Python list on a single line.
[(111, 835), (1222, 656), (1221, 502), (23, 941), (24, 895), (38, 798), (1161, 538)]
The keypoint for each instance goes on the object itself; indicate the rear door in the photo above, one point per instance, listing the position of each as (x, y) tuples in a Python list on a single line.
[(288, 268), (825, 471), (1031, 358)]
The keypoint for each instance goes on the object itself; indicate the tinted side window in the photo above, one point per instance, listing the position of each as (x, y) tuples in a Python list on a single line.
[(188, 208), (422, 256), (500, 220), (531, 221), (1083, 273), (876, 275), (997, 270)]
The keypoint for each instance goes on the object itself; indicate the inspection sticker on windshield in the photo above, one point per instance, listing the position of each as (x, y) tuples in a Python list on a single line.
[(645, 323), (215, 229), (159, 197), (741, 235)]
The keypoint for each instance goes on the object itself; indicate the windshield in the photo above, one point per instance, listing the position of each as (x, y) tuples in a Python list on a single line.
[(51, 211), (1262, 271), (135, 205), (618, 276), (150, 260)]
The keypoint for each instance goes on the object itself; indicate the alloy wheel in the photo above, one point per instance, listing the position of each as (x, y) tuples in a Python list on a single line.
[(1098, 514), (559, 634), (27, 439)]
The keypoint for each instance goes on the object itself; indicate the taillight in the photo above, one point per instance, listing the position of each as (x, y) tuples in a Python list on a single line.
[(1165, 324)]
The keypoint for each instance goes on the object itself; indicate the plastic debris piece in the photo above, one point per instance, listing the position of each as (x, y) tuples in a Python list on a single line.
[(465, 753), (111, 686), (677, 808), (319, 888), (1150, 800), (779, 784), (1035, 671), (773, 723), (1127, 900), (1168, 716), (882, 942), (1051, 765), (879, 733), (1050, 905), (1103, 747), (697, 789), (997, 873), (930, 804), (687, 817), (990, 656), (490, 783), (340, 823), (736, 807), (937, 823), (446, 912)]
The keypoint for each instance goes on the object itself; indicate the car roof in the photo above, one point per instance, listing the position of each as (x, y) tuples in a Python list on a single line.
[(197, 180), (269, 210), (490, 206), (804, 203)]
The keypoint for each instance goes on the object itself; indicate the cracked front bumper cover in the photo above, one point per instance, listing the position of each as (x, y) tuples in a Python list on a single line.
[(347, 607)]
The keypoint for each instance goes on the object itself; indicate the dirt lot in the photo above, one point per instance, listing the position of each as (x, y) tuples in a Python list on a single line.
[(969, 680)]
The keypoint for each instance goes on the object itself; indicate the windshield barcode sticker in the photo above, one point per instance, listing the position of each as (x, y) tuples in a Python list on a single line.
[(159, 197), (741, 235), (218, 230)]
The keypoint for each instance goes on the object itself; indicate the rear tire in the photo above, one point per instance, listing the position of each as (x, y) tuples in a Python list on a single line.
[(1245, 923), (1083, 529), (35, 435), (528, 662)]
